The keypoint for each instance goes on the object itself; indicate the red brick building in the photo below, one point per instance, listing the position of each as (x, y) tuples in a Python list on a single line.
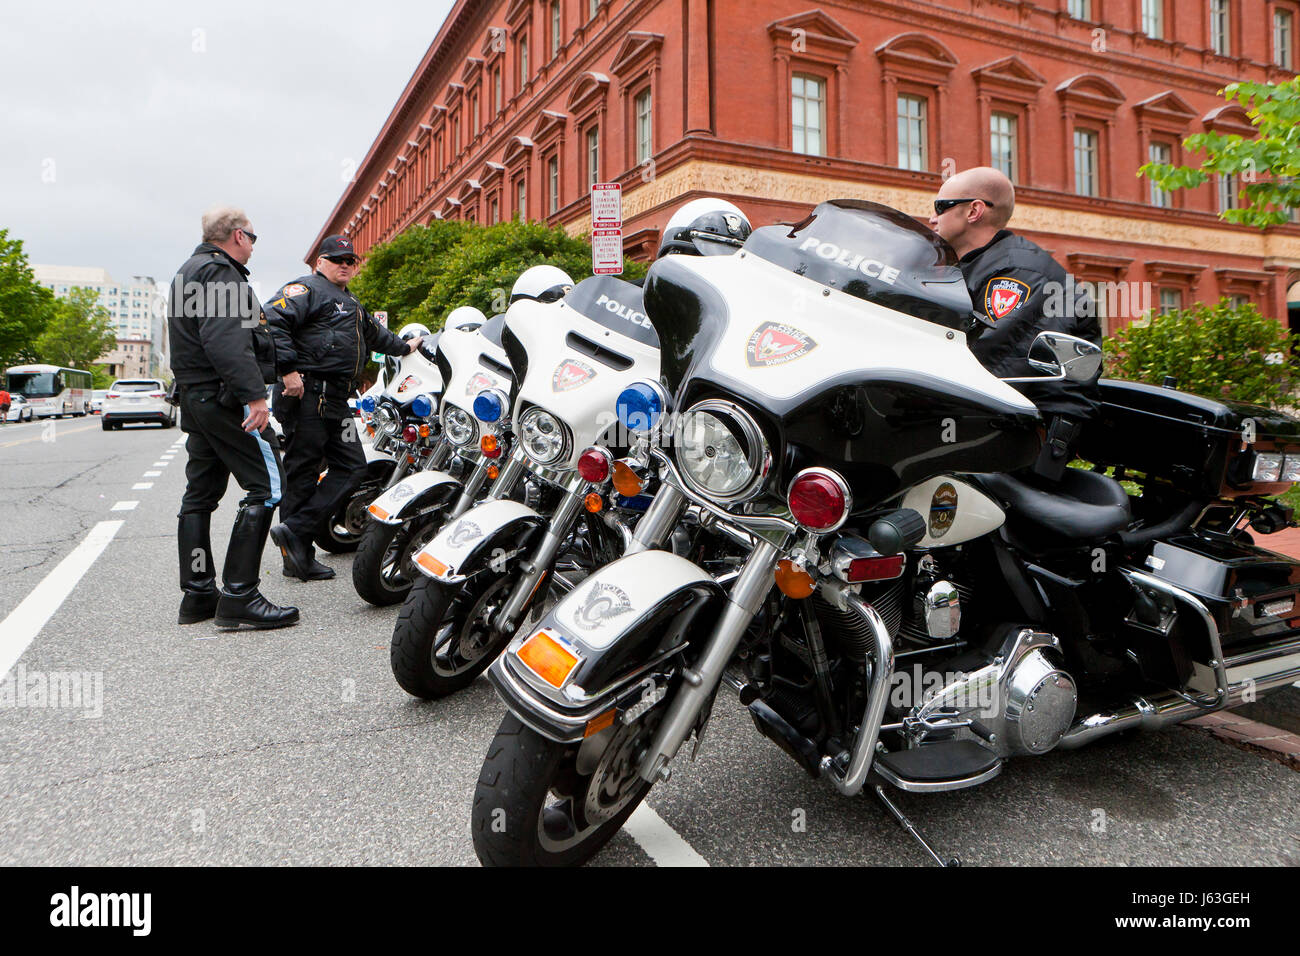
[(519, 105)]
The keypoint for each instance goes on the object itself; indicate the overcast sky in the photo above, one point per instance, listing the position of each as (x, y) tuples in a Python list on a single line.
[(120, 122)]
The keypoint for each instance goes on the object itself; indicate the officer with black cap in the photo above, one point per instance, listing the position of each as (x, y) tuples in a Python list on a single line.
[(223, 358), (323, 337)]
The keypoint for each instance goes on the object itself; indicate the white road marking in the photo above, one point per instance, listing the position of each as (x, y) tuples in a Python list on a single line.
[(124, 506), (663, 844), (161, 464), (142, 486), (26, 620), (152, 474)]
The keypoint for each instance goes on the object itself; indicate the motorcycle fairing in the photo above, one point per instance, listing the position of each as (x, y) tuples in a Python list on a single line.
[(623, 619), (460, 356), (598, 329), (887, 399), (479, 536), (413, 494)]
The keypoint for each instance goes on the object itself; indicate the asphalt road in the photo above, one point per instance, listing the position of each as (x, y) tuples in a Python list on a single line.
[(296, 746)]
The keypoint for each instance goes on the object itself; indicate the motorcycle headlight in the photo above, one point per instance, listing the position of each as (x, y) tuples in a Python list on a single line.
[(385, 421), (722, 451), (544, 437), (459, 426)]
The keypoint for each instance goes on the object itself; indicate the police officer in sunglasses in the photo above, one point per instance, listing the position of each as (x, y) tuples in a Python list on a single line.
[(323, 339), (1018, 290)]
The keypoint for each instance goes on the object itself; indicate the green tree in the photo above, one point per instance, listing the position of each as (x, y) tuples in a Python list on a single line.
[(1219, 351), (399, 274), (25, 305), (1266, 166), (80, 331)]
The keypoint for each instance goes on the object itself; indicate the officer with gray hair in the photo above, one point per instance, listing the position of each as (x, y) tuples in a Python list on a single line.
[(223, 357)]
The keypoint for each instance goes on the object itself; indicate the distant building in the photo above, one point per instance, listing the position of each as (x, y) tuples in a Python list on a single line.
[(520, 105), (137, 309), (132, 358)]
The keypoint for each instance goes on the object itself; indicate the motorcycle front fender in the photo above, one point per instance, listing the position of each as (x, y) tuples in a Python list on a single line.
[(619, 624), (479, 537), (414, 494)]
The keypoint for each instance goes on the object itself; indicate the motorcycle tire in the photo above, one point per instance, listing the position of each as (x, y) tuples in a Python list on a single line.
[(373, 575), (434, 651), (337, 536), (511, 821)]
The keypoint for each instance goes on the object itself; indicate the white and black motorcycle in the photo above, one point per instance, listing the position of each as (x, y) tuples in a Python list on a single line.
[(468, 358), (858, 481), (494, 566)]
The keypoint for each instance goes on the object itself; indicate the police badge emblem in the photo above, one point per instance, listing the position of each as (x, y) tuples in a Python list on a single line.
[(773, 343), (570, 375), (943, 509), (1003, 295)]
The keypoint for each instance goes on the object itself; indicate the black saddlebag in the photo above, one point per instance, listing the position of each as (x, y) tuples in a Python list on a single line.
[(1252, 594)]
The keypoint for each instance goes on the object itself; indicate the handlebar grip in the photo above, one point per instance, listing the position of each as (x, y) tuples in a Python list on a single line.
[(896, 531)]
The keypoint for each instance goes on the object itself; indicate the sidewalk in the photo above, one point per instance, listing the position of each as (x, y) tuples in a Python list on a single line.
[(1284, 542)]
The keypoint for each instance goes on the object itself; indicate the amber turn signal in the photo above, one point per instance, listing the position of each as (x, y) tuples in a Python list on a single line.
[(547, 659), (492, 472), (593, 502), (431, 564), (490, 446), (626, 481), (793, 580)]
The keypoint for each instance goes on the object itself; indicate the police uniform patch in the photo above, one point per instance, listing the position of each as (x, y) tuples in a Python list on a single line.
[(293, 289), (1003, 295)]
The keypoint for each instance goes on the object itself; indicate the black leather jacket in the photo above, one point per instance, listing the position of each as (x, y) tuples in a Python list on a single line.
[(1023, 291), (322, 330), (218, 332)]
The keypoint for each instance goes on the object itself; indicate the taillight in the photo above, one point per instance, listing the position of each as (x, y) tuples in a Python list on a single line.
[(819, 499), (593, 465), (409, 434), (881, 567), (113, 395), (157, 394)]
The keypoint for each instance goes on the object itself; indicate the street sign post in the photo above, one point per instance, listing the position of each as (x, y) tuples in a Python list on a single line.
[(382, 319), (607, 229)]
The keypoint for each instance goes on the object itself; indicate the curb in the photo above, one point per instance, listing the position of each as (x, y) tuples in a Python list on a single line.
[(1281, 744)]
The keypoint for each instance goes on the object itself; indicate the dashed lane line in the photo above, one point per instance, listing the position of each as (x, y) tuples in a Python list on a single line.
[(19, 629), (124, 506), (663, 844), (142, 486), (153, 474)]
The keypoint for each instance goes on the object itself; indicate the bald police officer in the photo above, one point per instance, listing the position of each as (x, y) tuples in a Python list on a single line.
[(1018, 290), (323, 338), (223, 358)]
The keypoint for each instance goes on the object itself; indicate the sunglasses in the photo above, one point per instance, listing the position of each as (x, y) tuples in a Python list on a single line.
[(344, 260), (941, 206), (252, 237)]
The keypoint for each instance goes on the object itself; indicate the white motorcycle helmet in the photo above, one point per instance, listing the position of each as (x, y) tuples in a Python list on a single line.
[(411, 330), (705, 227), (542, 284), (464, 317)]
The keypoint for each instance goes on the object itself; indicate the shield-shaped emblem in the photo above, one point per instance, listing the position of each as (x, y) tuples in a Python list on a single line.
[(570, 374), (773, 343), (1003, 296)]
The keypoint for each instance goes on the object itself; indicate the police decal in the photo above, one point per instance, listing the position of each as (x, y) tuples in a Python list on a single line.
[(773, 343), (293, 289), (407, 383), (602, 602), (479, 381), (943, 509), (464, 533), (570, 374), (1003, 295)]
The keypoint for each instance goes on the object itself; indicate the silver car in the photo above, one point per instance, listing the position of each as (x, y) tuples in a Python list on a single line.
[(137, 400)]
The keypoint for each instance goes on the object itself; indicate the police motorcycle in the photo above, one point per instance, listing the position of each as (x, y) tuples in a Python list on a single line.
[(487, 571), (471, 359), (905, 614), (401, 437)]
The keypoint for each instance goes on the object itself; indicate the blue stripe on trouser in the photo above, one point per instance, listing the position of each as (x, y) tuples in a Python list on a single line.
[(272, 470)]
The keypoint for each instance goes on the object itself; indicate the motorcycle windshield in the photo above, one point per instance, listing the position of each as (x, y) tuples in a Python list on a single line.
[(616, 305), (875, 253)]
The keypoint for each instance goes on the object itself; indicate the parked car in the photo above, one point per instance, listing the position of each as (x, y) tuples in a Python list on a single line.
[(137, 400), (20, 410), (97, 400)]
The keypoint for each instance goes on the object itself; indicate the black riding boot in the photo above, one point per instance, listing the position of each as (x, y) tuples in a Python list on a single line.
[(198, 574), (241, 605), (299, 556)]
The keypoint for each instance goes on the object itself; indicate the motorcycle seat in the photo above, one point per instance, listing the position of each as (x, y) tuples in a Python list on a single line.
[(1083, 506)]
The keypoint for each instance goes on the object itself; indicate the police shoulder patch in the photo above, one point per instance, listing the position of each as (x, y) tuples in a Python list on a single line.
[(1003, 295), (293, 289)]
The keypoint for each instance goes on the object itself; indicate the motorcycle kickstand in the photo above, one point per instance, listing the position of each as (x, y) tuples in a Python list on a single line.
[(912, 829)]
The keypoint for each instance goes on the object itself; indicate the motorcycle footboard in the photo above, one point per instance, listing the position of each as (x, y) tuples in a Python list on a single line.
[(413, 494), (492, 532), (603, 646)]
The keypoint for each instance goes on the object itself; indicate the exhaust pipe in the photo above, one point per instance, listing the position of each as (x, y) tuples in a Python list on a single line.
[(1162, 710)]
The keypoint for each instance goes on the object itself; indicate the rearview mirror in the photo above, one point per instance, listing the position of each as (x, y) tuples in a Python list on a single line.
[(1062, 357)]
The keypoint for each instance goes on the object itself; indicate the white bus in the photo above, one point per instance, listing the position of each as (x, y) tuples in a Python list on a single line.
[(51, 390)]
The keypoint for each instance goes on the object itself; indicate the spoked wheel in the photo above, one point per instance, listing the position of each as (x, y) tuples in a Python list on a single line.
[(443, 638), (343, 531), (385, 566), (542, 803)]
